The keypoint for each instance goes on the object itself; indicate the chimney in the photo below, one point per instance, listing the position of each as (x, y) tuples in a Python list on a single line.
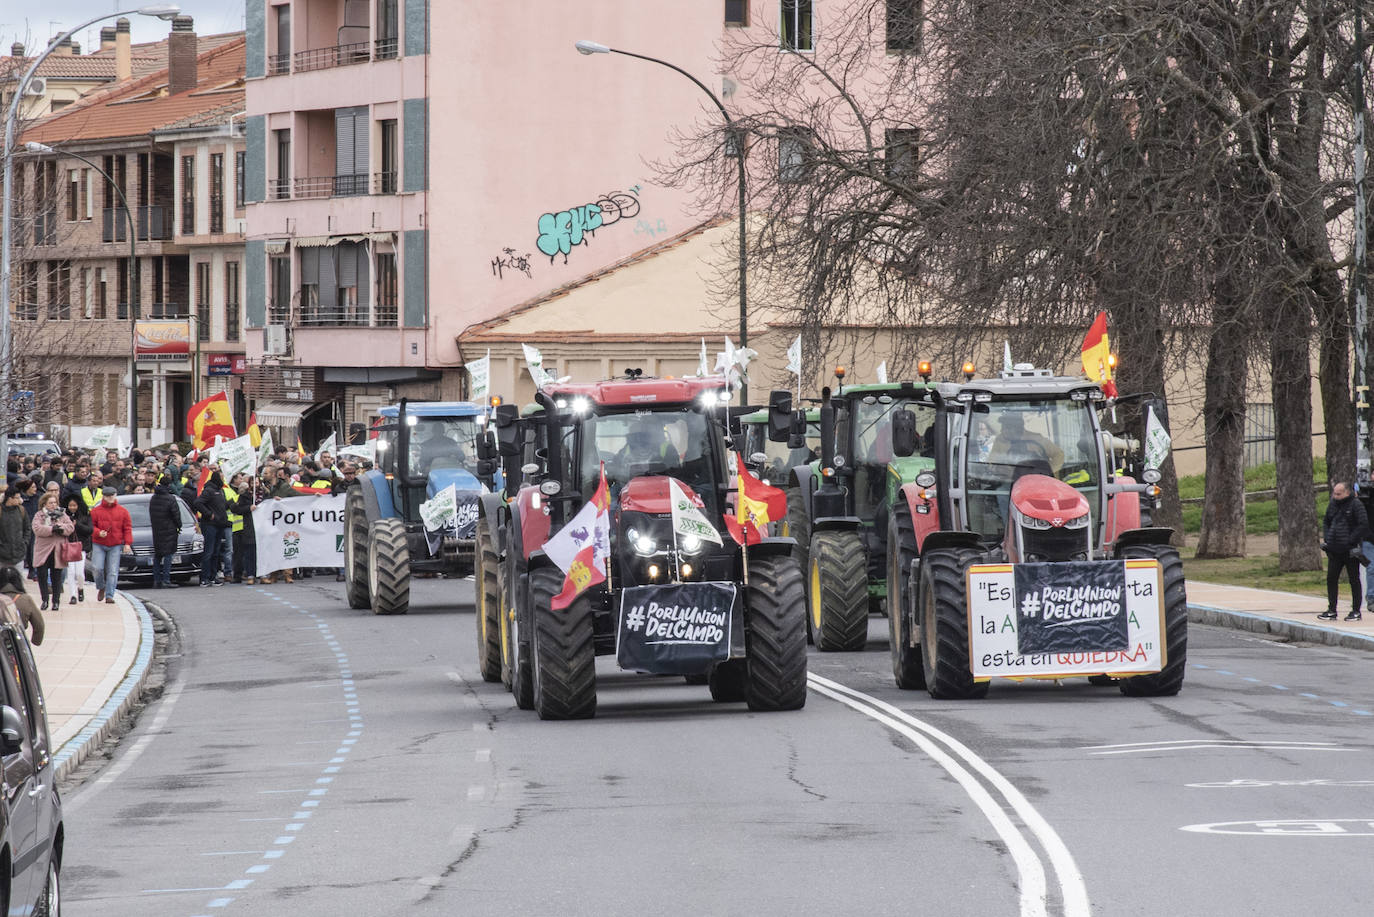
[(181, 56), (107, 38), (64, 49), (76, 47), (124, 53), (17, 49)]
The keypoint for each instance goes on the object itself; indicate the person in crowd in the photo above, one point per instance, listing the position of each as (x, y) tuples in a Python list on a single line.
[(275, 485), (245, 566), (164, 512), (328, 469), (81, 535), (1344, 527), (29, 615), (113, 534), (91, 491), (51, 526), (77, 479), (213, 511), (14, 529), (29, 492), (111, 456)]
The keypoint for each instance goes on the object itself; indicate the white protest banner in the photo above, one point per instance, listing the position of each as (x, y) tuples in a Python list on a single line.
[(534, 362), (441, 510), (687, 519), (363, 451), (299, 532), (1006, 357), (794, 357), (100, 438), (236, 456), (329, 445), (703, 368), (1157, 441), (265, 448), (882, 373), (479, 378)]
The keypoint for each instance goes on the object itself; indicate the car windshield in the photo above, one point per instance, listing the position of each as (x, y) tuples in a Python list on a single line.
[(1014, 438), (442, 442), (679, 443)]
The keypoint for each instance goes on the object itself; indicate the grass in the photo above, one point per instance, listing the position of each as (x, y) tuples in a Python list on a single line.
[(1262, 516), (1255, 572)]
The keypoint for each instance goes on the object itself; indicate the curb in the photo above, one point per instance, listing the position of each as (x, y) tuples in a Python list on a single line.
[(78, 747), (1294, 630)]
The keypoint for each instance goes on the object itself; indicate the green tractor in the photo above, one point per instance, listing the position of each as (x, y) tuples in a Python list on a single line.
[(838, 504)]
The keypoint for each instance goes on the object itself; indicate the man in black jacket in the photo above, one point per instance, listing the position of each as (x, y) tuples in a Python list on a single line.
[(1344, 527), (14, 529), (213, 510)]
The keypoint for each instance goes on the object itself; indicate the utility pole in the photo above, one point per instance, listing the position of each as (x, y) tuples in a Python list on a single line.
[(1362, 418)]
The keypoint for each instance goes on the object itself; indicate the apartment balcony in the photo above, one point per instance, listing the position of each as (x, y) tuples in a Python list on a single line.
[(152, 223), (277, 64), (359, 52), (153, 310), (315, 187)]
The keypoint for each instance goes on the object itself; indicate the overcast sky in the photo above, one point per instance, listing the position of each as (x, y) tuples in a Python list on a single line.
[(19, 20)]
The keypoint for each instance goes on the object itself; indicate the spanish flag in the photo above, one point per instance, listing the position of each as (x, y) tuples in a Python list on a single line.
[(208, 418), (756, 505), (300, 450), (254, 433), (1097, 351)]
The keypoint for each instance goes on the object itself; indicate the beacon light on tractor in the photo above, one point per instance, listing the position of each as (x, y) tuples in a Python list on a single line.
[(1023, 553), (730, 618)]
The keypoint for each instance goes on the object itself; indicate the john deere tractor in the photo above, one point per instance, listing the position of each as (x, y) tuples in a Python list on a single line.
[(422, 449), (1021, 551), (837, 506)]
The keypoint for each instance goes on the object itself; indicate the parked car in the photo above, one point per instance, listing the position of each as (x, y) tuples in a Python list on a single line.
[(139, 564), (31, 829), (29, 444)]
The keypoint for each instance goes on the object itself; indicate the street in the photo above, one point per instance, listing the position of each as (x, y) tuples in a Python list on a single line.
[(311, 758)]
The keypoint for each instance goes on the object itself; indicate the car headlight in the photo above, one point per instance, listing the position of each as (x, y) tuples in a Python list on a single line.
[(642, 543)]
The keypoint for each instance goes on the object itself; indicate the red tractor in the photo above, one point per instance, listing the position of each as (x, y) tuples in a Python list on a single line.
[(674, 603), (1023, 554)]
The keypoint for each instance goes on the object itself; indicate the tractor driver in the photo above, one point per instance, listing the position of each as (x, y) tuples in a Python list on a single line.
[(647, 444), (440, 445), (1015, 445)]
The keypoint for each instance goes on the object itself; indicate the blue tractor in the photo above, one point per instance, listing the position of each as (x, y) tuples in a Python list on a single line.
[(422, 448)]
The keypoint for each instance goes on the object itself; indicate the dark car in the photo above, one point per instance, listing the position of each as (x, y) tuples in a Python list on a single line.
[(190, 543), (31, 830)]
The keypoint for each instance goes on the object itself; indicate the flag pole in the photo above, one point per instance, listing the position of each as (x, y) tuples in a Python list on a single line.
[(610, 585)]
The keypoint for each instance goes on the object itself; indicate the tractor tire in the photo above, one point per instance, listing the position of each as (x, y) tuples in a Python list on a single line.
[(388, 567), (355, 550), (488, 606), (1169, 680), (901, 551), (562, 651), (798, 526), (522, 669), (837, 594), (944, 625), (726, 681), (775, 636)]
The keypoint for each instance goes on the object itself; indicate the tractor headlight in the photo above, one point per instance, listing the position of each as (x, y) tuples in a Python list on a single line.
[(1030, 522), (690, 544), (643, 544), (550, 488)]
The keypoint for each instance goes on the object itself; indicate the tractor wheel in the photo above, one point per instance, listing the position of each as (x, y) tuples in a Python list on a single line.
[(388, 567), (901, 551), (798, 526), (521, 668), (355, 549), (488, 606), (944, 625), (562, 651), (726, 681), (775, 636), (838, 591), (1169, 680)]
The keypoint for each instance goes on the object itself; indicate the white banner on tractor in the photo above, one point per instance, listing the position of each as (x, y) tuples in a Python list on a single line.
[(1065, 619), (299, 532)]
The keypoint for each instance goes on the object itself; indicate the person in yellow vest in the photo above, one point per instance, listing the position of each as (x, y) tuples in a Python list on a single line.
[(243, 564), (90, 494)]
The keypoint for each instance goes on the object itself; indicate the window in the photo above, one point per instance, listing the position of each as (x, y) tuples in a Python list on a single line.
[(796, 25), (188, 195), (279, 309), (102, 295), (122, 289), (59, 104), (904, 25), (280, 62), (87, 209), (216, 192), (83, 292), (59, 289), (795, 154), (902, 159), (334, 285), (281, 189), (386, 181), (28, 290), (350, 151), (73, 195), (737, 12), (388, 32), (202, 300), (240, 175), (386, 289), (231, 300)]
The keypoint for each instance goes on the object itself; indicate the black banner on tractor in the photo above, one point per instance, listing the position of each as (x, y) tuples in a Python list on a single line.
[(674, 630), (1071, 607)]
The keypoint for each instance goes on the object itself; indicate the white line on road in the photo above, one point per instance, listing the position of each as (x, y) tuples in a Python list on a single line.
[(1190, 741), (1033, 888)]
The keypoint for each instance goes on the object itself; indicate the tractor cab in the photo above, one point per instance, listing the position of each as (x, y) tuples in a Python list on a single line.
[(780, 457)]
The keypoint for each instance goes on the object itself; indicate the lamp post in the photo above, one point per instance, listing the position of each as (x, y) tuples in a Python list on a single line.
[(133, 287), (592, 47), (163, 11), (1362, 422)]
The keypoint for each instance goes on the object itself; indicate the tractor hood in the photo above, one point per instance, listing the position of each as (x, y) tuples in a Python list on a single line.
[(649, 494), (461, 479), (907, 468), (1048, 499)]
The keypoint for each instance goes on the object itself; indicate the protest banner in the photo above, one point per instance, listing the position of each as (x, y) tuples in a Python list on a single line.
[(299, 532)]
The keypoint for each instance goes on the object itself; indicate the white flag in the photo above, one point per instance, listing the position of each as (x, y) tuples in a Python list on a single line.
[(479, 379), (687, 519), (794, 357), (703, 367), (265, 448), (100, 438), (235, 456), (882, 373), (1006, 357), (329, 445), (1157, 441), (534, 362), (733, 363)]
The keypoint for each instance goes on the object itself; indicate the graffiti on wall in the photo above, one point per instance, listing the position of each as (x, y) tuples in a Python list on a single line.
[(509, 260), (560, 233)]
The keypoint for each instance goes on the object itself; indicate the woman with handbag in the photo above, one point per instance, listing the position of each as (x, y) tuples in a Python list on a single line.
[(77, 547), (51, 526), (1344, 529)]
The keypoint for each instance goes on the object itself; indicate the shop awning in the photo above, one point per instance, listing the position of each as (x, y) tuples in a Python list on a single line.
[(283, 413), (275, 246)]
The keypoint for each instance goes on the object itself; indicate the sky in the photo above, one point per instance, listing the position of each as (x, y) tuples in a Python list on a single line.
[(21, 21)]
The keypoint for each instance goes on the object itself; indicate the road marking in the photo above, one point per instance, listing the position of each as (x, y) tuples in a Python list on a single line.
[(1246, 746), (1032, 882), (1290, 827), (1315, 782)]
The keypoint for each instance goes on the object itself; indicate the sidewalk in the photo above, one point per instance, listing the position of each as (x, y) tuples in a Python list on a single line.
[(1285, 614)]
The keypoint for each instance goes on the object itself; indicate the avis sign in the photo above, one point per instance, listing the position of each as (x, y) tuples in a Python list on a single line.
[(1066, 618)]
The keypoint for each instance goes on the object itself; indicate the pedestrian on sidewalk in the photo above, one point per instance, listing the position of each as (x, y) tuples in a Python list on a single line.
[(114, 534), (14, 529), (51, 525), (165, 516), (12, 586), (1344, 528), (76, 565), (213, 510)]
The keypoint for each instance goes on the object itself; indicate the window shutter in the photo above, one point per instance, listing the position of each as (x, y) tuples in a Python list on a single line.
[(364, 280), (343, 141), (348, 264), (360, 133), (329, 287), (310, 266)]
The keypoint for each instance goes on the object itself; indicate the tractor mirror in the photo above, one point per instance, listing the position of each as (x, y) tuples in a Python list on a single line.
[(796, 441), (505, 415), (485, 447), (779, 416), (486, 470), (905, 440)]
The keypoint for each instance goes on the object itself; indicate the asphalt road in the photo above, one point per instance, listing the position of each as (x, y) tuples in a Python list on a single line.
[(313, 760)]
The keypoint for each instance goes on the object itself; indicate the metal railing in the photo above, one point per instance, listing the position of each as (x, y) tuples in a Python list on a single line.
[(358, 52), (153, 222), (384, 182), (279, 189), (277, 64), (313, 186), (165, 310), (335, 316), (113, 226), (387, 315), (350, 185), (386, 49)]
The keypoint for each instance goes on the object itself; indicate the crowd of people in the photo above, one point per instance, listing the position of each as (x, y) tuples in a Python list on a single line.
[(58, 510)]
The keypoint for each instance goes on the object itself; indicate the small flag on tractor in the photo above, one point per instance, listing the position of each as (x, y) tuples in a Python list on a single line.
[(688, 520), (1097, 352), (757, 504), (582, 548)]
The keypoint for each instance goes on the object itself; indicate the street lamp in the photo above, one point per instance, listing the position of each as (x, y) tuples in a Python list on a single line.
[(133, 287), (592, 47), (164, 11)]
